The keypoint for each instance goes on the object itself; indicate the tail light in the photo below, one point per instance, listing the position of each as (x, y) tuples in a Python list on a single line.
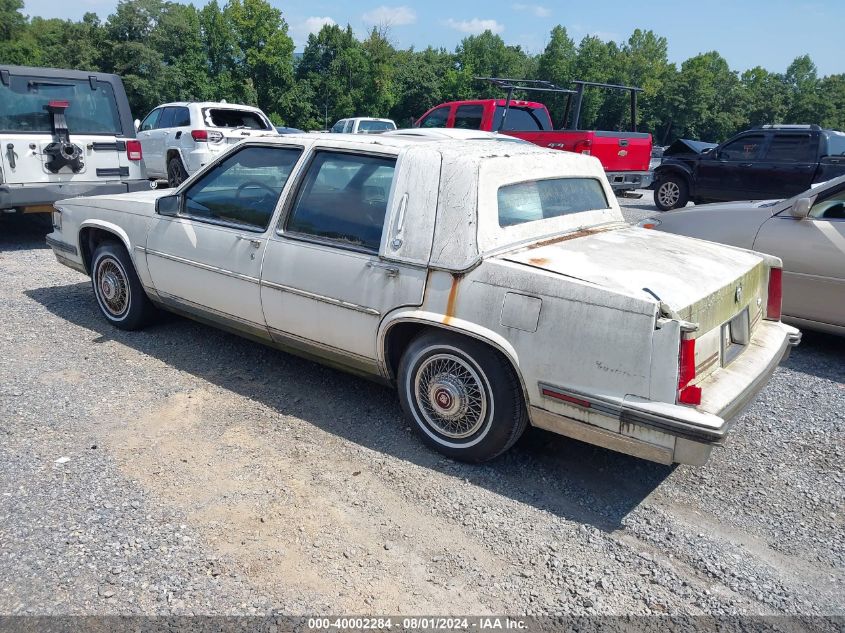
[(687, 393), (583, 147), (773, 306), (199, 135), (133, 150)]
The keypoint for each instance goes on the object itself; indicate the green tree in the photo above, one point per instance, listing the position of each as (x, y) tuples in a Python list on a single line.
[(419, 82), (765, 96), (557, 64)]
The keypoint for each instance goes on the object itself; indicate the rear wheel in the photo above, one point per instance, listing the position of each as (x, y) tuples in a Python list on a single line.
[(463, 397), (118, 290), (176, 172), (671, 192)]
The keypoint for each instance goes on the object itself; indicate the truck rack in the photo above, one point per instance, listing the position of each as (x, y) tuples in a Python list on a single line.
[(539, 85)]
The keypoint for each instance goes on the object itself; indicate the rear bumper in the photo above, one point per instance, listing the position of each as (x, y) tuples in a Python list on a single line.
[(29, 198), (627, 180), (667, 432)]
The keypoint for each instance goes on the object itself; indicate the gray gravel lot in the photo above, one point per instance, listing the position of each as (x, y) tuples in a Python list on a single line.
[(185, 470)]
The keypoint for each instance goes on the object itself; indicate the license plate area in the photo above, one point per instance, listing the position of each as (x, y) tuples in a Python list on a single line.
[(736, 334)]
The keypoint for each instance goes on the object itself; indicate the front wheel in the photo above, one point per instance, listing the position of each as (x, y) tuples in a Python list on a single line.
[(463, 397), (118, 290), (671, 192)]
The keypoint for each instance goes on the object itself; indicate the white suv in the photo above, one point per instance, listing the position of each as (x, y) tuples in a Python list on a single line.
[(180, 138), (363, 125)]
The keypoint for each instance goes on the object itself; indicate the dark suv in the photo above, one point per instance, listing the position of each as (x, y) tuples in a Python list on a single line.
[(771, 161)]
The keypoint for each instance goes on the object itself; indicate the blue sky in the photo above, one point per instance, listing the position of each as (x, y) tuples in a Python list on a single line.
[(769, 33)]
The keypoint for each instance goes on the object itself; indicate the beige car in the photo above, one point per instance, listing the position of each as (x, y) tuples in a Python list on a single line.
[(807, 232)]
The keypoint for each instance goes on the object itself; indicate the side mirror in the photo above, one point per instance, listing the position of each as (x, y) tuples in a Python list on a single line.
[(169, 206), (801, 208), (137, 124)]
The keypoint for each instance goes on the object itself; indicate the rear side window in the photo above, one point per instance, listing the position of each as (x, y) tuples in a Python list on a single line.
[(233, 118), (835, 144), (791, 148), (468, 117), (166, 118), (343, 198), (743, 148), (89, 111), (437, 118), (181, 117), (525, 119), (542, 199), (244, 188)]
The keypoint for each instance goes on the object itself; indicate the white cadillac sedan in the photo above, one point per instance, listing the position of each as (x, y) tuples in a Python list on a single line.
[(495, 284)]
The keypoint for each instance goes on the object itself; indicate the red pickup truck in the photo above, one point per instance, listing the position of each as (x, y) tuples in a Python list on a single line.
[(624, 155)]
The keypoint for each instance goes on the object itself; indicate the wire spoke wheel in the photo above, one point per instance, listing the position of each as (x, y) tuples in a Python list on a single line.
[(451, 395), (112, 287), (669, 193)]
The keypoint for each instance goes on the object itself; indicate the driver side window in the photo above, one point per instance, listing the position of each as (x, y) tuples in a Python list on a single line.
[(831, 208), (243, 189), (150, 122)]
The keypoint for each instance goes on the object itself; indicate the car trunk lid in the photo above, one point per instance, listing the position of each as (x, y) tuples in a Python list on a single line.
[(705, 284)]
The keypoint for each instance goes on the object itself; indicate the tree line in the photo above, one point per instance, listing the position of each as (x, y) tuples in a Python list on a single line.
[(241, 51)]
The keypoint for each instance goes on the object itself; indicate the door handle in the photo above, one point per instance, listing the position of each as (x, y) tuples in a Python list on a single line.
[(746, 165), (390, 271), (252, 241)]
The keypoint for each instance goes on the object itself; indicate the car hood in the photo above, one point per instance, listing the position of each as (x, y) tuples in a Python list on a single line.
[(696, 279), (135, 202)]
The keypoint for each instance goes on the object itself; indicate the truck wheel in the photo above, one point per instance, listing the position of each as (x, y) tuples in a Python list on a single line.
[(118, 290), (176, 172), (463, 397), (671, 192)]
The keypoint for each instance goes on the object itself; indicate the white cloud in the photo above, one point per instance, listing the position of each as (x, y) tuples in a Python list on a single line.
[(390, 16), (537, 9), (475, 26), (300, 31), (315, 23)]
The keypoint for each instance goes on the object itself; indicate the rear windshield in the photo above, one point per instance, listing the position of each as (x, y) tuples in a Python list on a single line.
[(89, 111), (374, 127), (522, 119), (232, 118), (543, 199)]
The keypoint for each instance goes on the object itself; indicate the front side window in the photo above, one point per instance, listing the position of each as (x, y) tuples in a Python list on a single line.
[(236, 119), (743, 148), (89, 111), (347, 128), (830, 208), (151, 121), (343, 198), (337, 128), (468, 117), (542, 199), (244, 188), (525, 119), (437, 118)]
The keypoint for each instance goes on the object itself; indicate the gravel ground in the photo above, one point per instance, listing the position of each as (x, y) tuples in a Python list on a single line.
[(184, 470)]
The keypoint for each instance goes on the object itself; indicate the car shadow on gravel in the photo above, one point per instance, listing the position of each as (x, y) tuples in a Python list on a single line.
[(820, 355), (565, 477), (24, 232)]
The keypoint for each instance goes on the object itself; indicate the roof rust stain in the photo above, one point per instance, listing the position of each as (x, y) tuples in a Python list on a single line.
[(538, 261), (450, 303), (570, 236)]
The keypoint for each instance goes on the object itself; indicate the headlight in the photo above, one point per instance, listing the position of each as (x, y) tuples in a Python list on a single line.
[(57, 219), (648, 223)]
